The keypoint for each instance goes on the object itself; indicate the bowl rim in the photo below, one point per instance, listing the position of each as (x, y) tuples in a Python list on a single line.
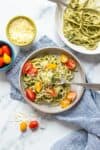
[(27, 18), (69, 44), (35, 105), (7, 67)]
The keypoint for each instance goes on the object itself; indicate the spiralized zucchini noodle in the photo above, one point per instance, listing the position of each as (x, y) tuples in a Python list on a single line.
[(50, 71), (82, 23)]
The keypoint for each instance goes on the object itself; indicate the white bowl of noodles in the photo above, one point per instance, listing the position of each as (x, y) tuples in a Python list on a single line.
[(39, 60), (74, 41)]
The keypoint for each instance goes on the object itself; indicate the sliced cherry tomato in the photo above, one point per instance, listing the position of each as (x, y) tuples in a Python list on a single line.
[(52, 92), (33, 124), (1, 52), (71, 64), (71, 95), (6, 50), (65, 103), (38, 86), (1, 62), (51, 66), (27, 66), (64, 58), (30, 94), (32, 71)]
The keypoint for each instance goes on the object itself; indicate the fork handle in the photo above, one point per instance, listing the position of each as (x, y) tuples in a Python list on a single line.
[(92, 86), (58, 2)]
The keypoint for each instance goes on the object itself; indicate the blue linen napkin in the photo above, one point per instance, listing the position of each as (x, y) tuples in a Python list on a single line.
[(85, 115)]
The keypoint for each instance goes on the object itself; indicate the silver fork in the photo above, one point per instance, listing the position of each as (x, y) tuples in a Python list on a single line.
[(92, 86)]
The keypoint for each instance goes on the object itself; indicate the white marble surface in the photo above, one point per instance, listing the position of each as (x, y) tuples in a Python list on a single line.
[(11, 138), (12, 111)]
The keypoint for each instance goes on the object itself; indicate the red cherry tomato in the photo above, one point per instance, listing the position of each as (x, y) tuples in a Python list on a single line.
[(71, 64), (33, 71), (30, 95), (1, 62), (27, 66), (33, 125), (52, 92), (1, 52), (6, 50)]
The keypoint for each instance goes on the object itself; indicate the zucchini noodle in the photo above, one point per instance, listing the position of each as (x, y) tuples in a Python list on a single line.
[(82, 23), (47, 77)]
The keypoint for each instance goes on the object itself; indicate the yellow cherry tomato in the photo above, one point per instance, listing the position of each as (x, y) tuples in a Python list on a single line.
[(38, 86), (7, 59), (23, 126), (64, 58), (51, 66), (65, 103)]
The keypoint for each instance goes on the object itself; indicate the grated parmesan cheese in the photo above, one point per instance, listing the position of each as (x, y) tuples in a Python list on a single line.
[(21, 31)]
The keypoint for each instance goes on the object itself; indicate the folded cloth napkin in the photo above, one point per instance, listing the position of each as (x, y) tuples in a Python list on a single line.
[(85, 115)]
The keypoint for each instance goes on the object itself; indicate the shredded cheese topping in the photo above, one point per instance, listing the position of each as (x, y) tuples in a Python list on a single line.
[(21, 31)]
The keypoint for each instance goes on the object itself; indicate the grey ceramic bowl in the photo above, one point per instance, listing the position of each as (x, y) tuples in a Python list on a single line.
[(79, 77)]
